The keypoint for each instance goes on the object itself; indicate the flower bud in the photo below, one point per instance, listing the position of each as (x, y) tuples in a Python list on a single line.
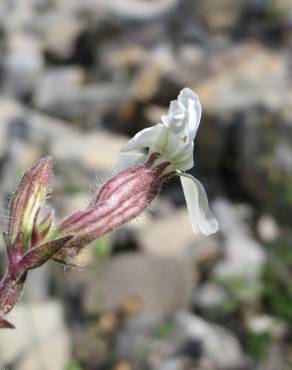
[(28, 198), (120, 200)]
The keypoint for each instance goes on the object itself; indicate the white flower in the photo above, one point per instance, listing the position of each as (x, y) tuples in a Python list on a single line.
[(173, 140)]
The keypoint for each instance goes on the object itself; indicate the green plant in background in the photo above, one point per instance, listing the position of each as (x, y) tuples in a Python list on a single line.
[(103, 247), (277, 277), (273, 293), (277, 10), (73, 365), (257, 344), (164, 330), (240, 294), (271, 296)]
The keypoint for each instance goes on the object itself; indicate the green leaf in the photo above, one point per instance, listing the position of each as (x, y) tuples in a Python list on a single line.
[(103, 247), (73, 365)]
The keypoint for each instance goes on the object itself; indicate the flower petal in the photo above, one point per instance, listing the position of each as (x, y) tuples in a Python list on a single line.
[(127, 160), (152, 137), (175, 120), (197, 203), (186, 158), (192, 104)]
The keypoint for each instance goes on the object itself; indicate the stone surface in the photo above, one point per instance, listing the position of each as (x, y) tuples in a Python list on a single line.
[(267, 228), (175, 364), (217, 343), (40, 339), (245, 76), (142, 10), (222, 15), (264, 324), (60, 31), (66, 79), (81, 104), (138, 334), (243, 256), (182, 340), (41, 130), (174, 229), (172, 236), (114, 281), (22, 65), (209, 296)]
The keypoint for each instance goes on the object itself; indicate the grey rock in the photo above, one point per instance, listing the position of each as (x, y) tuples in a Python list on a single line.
[(222, 15), (218, 344), (22, 65), (59, 31), (9, 110), (151, 340), (175, 364), (142, 10), (267, 228), (246, 76), (15, 16), (37, 284), (209, 296), (243, 256), (181, 241), (120, 12), (283, 156), (265, 324), (55, 84), (176, 227), (190, 67), (138, 275), (127, 10), (187, 341), (274, 359), (40, 339), (139, 341), (83, 104), (96, 151)]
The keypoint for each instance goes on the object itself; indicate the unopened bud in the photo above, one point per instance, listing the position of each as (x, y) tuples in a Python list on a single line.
[(28, 198), (120, 200)]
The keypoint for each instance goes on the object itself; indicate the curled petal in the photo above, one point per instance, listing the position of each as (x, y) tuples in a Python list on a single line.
[(175, 119), (193, 108), (152, 137), (202, 220)]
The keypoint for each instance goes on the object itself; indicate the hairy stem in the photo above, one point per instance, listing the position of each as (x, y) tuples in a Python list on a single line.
[(10, 291)]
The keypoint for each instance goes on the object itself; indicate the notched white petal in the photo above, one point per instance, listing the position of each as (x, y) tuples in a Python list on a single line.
[(147, 138), (202, 220)]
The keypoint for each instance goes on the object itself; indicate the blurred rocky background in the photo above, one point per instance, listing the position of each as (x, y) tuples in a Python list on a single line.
[(77, 78)]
